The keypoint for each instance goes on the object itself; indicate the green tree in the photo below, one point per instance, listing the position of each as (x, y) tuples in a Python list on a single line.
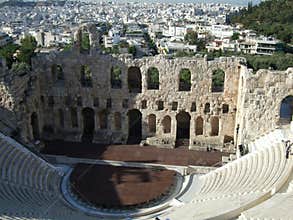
[(191, 37), (85, 42), (132, 50), (235, 36), (7, 53), (27, 49)]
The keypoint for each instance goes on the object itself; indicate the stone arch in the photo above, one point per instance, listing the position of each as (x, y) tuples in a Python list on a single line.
[(286, 110), (152, 123), (88, 115), (134, 126), (35, 126), (199, 126), (134, 79), (183, 125), (218, 80), (86, 76), (61, 118), (184, 80), (57, 72), (214, 126), (74, 118), (166, 122), (116, 82), (153, 78), (103, 119), (117, 121)]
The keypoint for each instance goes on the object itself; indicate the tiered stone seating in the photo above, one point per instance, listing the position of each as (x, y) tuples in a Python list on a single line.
[(227, 191), (29, 186)]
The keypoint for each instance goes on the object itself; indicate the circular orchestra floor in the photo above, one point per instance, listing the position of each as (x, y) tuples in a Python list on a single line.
[(121, 187)]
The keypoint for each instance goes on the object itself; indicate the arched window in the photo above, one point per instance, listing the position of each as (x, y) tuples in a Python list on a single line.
[(86, 76), (166, 124), (74, 120), (214, 126), (207, 108), (184, 80), (286, 110), (134, 80), (116, 82), (57, 72), (84, 42), (153, 78), (103, 117), (152, 123), (117, 120), (199, 126), (218, 79), (61, 118)]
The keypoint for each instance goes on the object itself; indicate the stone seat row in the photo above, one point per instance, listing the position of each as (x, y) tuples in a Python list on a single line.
[(18, 165), (227, 191)]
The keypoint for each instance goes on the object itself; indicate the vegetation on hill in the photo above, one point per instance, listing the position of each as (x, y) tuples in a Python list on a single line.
[(22, 53), (270, 18)]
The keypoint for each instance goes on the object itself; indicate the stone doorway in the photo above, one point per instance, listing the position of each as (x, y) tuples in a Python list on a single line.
[(183, 128), (35, 126), (88, 125), (286, 110), (134, 126)]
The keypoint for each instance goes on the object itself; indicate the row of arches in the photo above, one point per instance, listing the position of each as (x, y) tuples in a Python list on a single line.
[(135, 78)]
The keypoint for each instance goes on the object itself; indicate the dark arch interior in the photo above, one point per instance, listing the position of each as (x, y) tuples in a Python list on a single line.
[(88, 124), (286, 109), (134, 80), (183, 125), (134, 126), (35, 126)]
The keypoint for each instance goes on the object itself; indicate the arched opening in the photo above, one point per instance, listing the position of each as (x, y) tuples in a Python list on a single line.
[(152, 123), (286, 110), (166, 124), (86, 76), (199, 126), (183, 125), (134, 126), (74, 119), (184, 80), (116, 82), (35, 126), (134, 80), (218, 79), (117, 120), (207, 108), (214, 126), (57, 72), (84, 42), (103, 118), (88, 115), (153, 78)]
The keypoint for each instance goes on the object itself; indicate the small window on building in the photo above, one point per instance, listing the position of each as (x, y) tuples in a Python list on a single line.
[(79, 101), (86, 76), (225, 108), (74, 120), (116, 82), (50, 101), (193, 107), (174, 106), (184, 80), (117, 120), (125, 103), (160, 105), (207, 108), (218, 79), (103, 118), (96, 102), (143, 104), (152, 123), (61, 118), (68, 101), (153, 78), (109, 103)]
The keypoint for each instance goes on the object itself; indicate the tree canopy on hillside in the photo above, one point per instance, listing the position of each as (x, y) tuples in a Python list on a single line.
[(270, 18)]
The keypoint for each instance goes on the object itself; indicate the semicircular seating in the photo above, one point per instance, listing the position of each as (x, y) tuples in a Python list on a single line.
[(227, 191)]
